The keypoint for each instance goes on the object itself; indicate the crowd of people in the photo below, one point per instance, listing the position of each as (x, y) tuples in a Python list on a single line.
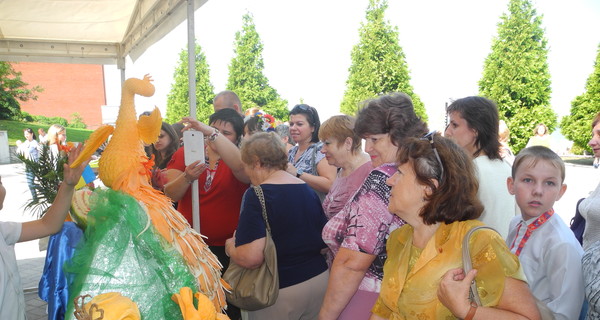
[(387, 221), (369, 213)]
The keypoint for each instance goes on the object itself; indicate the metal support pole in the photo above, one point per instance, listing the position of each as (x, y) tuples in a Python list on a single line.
[(192, 97)]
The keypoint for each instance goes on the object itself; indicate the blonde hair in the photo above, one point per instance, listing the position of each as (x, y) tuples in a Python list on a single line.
[(341, 127), (250, 112), (53, 133), (532, 155)]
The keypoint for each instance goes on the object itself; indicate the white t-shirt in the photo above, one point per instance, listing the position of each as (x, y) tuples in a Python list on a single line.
[(551, 260), (12, 300), (499, 205)]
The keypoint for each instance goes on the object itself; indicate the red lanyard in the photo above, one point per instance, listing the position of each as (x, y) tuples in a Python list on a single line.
[(534, 225)]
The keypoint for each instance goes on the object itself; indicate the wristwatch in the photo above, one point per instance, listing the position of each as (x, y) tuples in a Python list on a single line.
[(299, 172)]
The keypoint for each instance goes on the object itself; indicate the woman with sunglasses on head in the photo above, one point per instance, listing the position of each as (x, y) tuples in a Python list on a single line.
[(356, 235), (306, 162), (590, 210), (434, 190), (474, 126)]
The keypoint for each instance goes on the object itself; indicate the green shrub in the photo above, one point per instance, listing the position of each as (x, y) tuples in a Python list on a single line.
[(576, 149), (23, 117), (59, 120), (77, 121), (51, 120)]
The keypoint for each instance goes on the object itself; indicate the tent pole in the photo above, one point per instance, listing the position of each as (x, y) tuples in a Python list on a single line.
[(121, 67), (192, 97)]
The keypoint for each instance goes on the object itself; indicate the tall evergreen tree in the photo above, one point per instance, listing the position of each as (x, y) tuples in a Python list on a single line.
[(516, 73), (178, 103), (576, 126), (378, 63), (246, 77), (13, 91)]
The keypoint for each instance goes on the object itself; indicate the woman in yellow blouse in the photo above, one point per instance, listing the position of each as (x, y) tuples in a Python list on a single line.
[(435, 192)]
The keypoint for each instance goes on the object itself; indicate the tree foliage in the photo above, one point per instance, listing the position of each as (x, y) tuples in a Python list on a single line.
[(246, 77), (577, 126), (13, 91), (516, 73), (178, 103), (378, 63)]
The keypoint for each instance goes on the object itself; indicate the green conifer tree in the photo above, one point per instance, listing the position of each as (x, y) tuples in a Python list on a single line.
[(516, 73), (246, 77), (178, 103), (577, 126), (378, 63)]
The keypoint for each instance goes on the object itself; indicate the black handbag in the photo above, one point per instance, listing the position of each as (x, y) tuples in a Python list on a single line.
[(255, 289), (578, 223)]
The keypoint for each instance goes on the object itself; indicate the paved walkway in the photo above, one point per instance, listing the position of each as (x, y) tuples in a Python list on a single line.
[(31, 271), (581, 180)]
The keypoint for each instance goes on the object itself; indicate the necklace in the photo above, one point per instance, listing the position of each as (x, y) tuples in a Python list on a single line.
[(210, 175), (530, 228)]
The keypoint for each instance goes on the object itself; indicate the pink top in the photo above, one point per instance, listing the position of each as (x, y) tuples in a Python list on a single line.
[(343, 188), (365, 223)]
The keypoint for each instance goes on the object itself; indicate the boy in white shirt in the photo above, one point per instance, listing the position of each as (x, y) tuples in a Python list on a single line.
[(548, 250), (12, 303)]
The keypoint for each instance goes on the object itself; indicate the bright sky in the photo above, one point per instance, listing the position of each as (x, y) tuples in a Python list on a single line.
[(307, 47)]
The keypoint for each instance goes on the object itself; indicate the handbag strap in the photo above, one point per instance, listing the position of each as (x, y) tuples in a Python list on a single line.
[(261, 197), (468, 265), (313, 161)]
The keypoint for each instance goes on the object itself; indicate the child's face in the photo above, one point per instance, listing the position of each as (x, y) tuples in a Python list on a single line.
[(536, 187), (2, 193)]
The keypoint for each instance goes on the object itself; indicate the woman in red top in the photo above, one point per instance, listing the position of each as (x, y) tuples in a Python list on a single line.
[(221, 182)]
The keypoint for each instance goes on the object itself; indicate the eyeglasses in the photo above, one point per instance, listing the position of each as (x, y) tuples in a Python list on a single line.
[(429, 137)]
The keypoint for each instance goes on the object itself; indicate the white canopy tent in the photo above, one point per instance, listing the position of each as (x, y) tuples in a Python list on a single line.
[(85, 31), (95, 32)]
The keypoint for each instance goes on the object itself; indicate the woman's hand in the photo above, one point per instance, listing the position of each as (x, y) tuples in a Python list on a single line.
[(453, 291), (197, 125), (71, 176), (229, 245), (194, 170)]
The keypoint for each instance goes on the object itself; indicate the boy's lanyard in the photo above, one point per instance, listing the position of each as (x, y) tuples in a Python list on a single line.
[(534, 225)]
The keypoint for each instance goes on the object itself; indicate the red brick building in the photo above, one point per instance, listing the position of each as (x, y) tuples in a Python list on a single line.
[(68, 88)]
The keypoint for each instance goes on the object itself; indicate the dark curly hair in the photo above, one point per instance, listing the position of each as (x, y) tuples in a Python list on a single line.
[(455, 196), (394, 114)]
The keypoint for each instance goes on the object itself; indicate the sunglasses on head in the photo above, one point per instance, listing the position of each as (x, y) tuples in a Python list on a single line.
[(304, 107), (429, 137)]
